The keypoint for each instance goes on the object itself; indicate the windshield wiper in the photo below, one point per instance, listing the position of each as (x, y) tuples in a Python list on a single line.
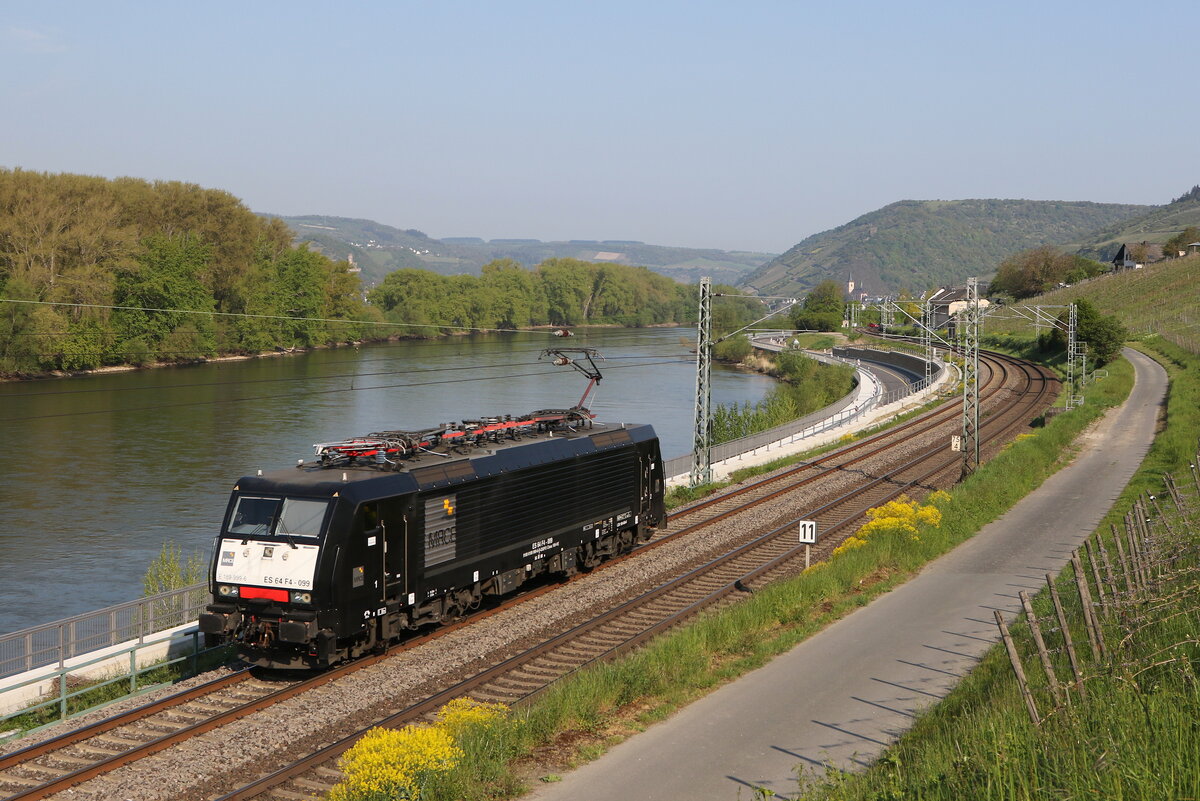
[(286, 535), (258, 530)]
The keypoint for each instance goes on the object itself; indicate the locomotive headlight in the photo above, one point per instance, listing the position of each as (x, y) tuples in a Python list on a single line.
[(227, 590), (302, 597)]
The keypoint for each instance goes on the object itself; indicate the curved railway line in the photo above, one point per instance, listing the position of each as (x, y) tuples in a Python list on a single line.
[(839, 487)]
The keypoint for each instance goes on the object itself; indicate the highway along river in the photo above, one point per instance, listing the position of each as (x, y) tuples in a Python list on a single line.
[(99, 471)]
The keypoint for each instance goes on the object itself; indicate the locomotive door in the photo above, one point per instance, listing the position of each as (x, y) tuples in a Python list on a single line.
[(396, 559), (647, 484), (373, 576)]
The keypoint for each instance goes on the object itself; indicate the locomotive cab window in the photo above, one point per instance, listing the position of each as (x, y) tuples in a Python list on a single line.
[(255, 516)]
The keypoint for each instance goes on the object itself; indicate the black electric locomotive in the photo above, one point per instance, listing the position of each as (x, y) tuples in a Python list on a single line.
[(386, 533)]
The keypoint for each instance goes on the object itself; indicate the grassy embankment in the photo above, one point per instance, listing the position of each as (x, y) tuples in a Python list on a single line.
[(1136, 738), (585, 714), (1160, 300)]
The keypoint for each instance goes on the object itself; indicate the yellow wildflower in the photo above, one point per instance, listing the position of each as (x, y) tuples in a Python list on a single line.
[(463, 714), (849, 544), (395, 763)]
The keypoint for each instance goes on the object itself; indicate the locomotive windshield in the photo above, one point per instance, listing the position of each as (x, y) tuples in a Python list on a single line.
[(256, 516)]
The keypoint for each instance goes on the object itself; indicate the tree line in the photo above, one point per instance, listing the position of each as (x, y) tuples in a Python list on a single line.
[(103, 272), (178, 262), (1038, 270), (558, 291)]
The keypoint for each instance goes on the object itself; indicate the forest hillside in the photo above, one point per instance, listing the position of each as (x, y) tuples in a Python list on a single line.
[(918, 244), (97, 272)]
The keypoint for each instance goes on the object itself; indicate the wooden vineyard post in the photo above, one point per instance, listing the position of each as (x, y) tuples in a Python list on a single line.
[(1015, 658), (1125, 569), (1108, 571), (1091, 624), (1158, 510), (1094, 562), (1131, 539), (1142, 520), (1043, 654), (1066, 633), (1177, 499)]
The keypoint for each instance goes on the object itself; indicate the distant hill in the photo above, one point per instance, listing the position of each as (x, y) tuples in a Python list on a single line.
[(915, 244), (1157, 226), (379, 249)]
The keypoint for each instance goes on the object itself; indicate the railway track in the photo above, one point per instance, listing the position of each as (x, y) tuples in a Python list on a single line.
[(47, 768), (766, 557)]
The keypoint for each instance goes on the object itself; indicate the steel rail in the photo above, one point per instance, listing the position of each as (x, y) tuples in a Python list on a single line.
[(575, 635)]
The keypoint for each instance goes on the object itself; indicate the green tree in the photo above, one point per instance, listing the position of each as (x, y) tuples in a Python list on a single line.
[(172, 246), (822, 309), (1179, 243), (520, 299), (18, 340), (1104, 333), (300, 278), (734, 349), (568, 288), (165, 278), (1030, 272)]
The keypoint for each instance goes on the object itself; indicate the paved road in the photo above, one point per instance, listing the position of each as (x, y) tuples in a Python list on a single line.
[(845, 694), (892, 378)]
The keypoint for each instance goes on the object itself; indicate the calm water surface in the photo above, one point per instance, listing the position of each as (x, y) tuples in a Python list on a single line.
[(100, 471)]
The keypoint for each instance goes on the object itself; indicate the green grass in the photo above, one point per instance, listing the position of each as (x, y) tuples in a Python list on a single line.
[(579, 717), (1136, 738), (1162, 299)]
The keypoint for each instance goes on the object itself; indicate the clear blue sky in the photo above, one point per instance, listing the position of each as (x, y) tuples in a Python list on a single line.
[(743, 125)]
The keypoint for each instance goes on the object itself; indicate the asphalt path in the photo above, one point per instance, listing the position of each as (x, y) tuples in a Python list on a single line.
[(844, 695), (893, 379)]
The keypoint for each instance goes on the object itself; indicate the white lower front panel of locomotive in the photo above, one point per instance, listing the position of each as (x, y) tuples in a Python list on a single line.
[(267, 564)]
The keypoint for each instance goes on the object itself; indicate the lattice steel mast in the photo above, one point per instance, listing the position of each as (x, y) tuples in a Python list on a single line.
[(970, 352), (701, 468), (927, 340), (1072, 355)]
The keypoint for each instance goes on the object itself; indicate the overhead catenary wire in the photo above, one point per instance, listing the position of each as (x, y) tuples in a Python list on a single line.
[(308, 393), (551, 330), (291, 318), (202, 384)]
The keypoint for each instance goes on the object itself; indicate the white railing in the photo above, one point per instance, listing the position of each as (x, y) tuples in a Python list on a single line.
[(836, 414)]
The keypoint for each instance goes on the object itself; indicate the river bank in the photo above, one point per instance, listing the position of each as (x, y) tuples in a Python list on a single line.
[(296, 350)]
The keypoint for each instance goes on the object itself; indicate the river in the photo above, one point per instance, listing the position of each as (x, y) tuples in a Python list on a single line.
[(100, 471)]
